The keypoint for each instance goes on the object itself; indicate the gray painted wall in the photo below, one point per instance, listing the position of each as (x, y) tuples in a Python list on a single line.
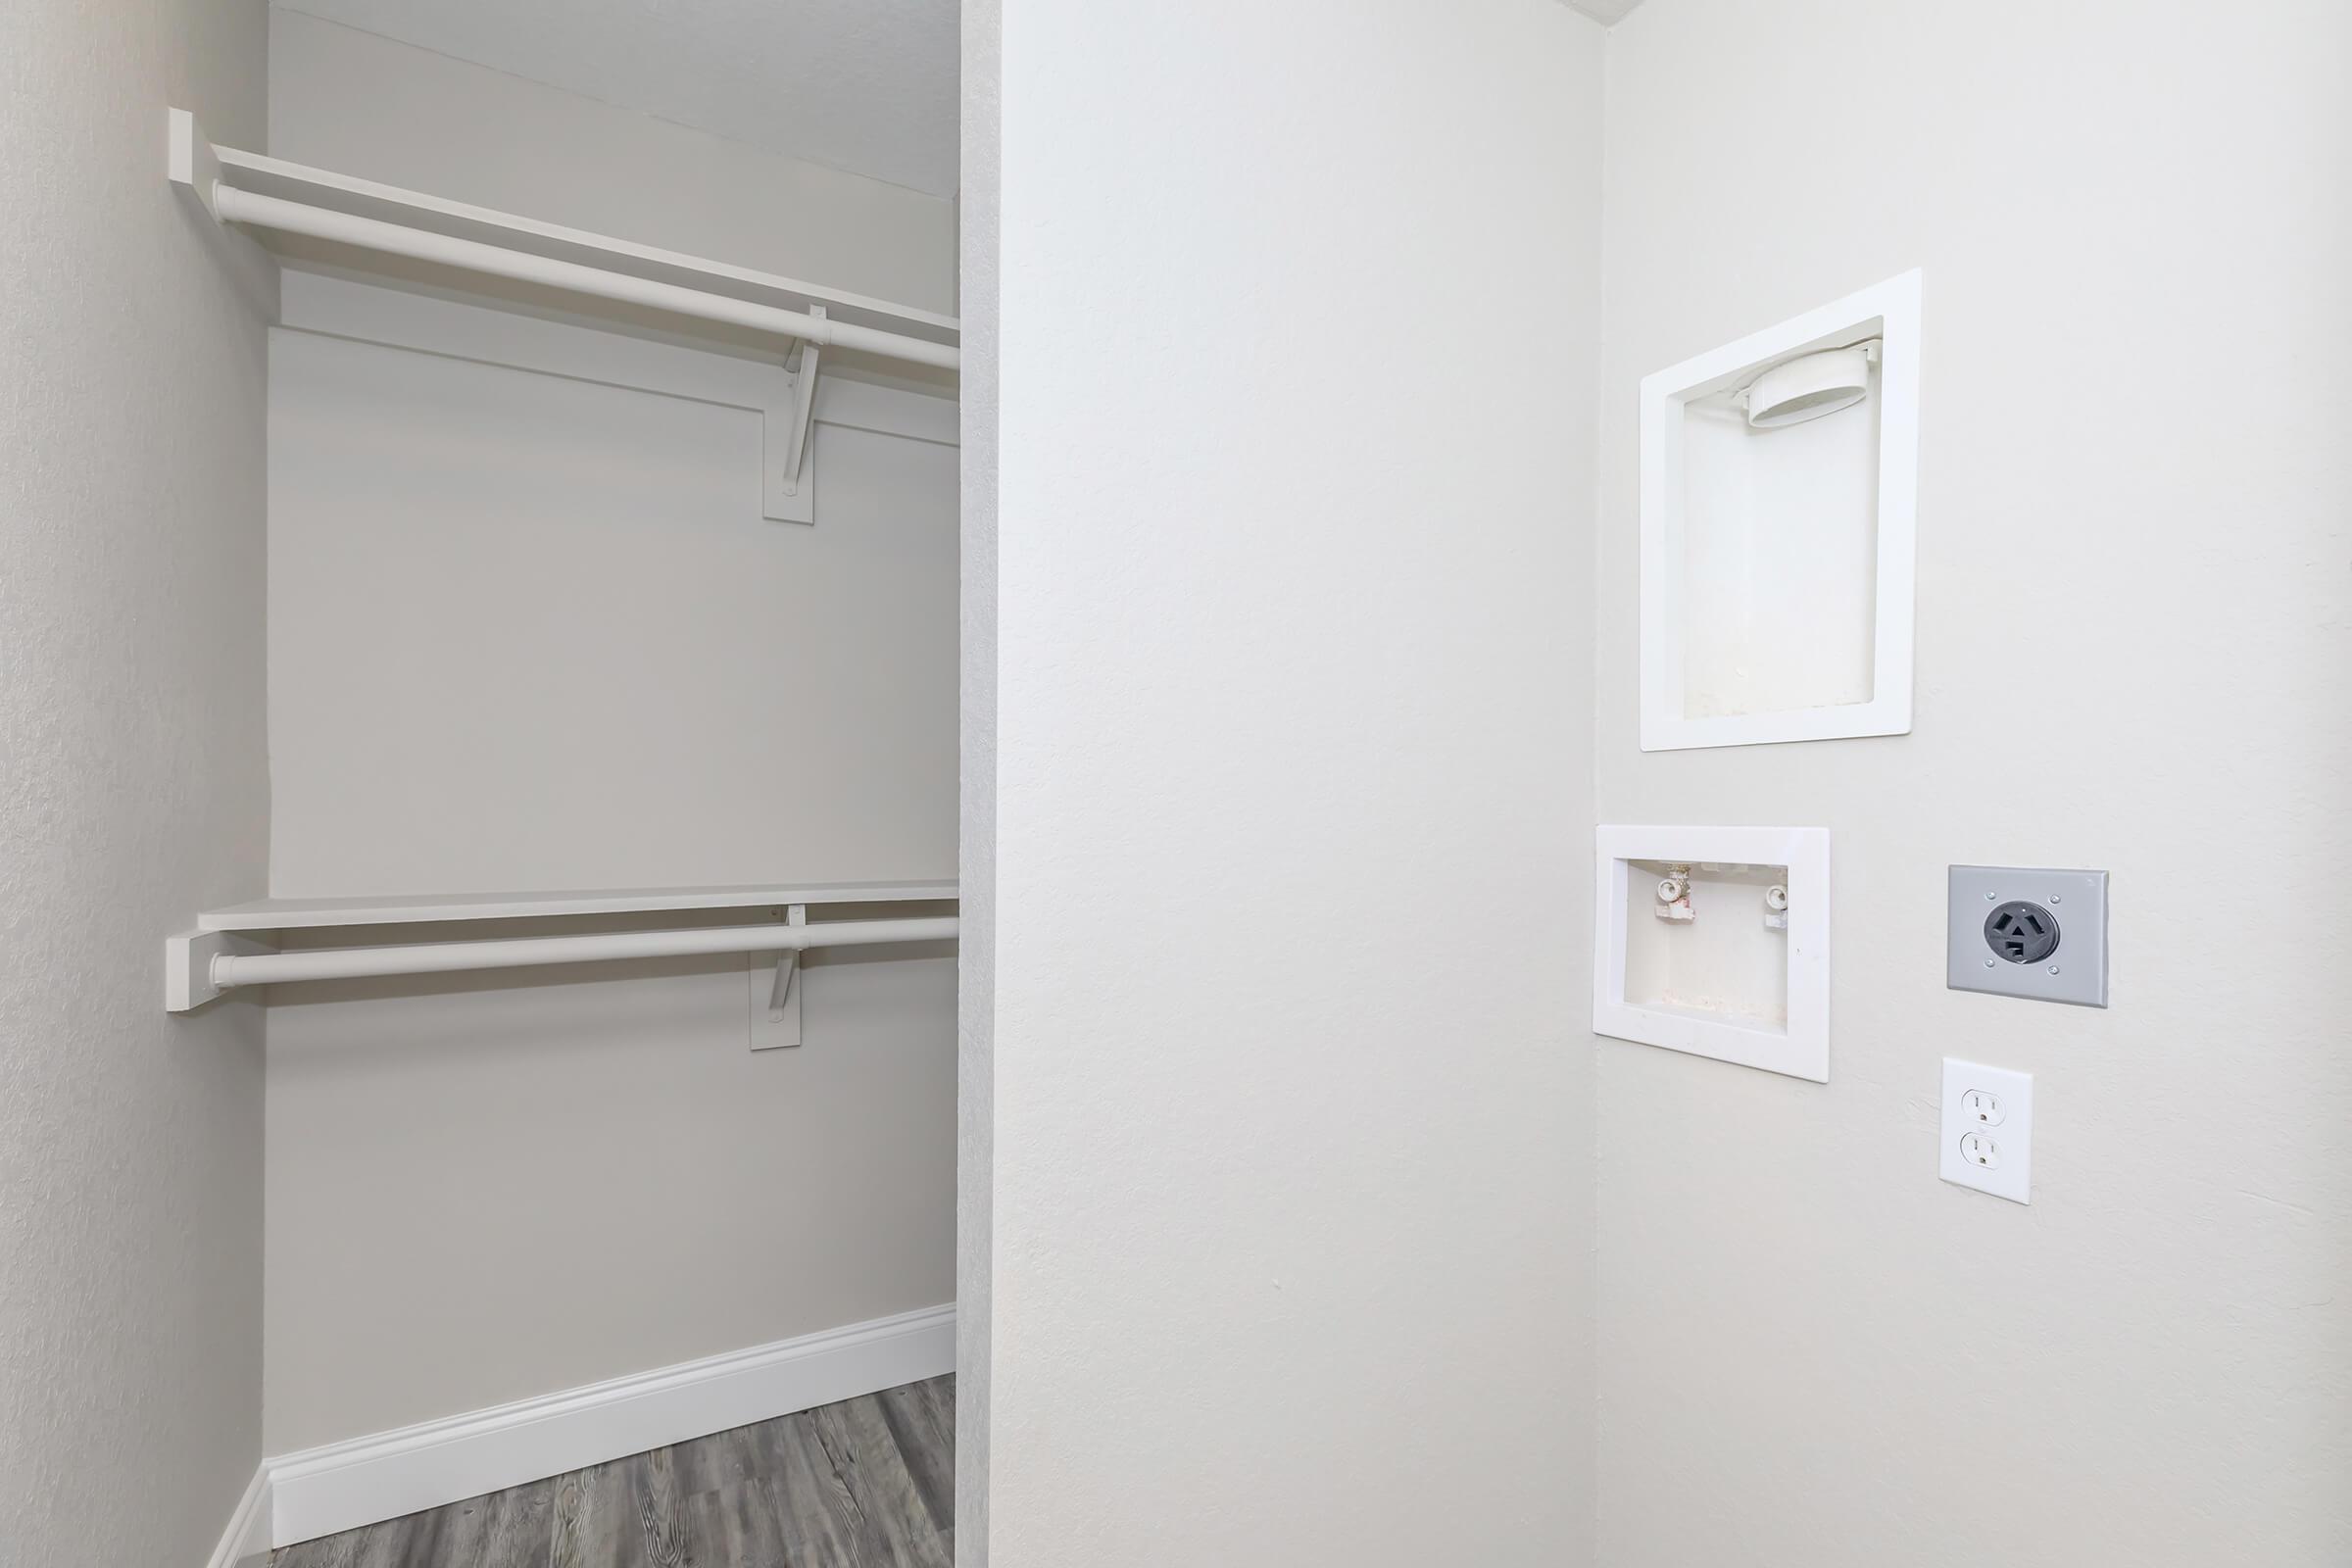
[(132, 788), (1811, 1351)]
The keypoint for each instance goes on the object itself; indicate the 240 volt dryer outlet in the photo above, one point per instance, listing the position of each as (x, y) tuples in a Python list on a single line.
[(2039, 934)]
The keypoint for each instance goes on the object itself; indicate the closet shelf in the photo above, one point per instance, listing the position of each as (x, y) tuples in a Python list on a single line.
[(282, 200), (294, 915), (224, 951)]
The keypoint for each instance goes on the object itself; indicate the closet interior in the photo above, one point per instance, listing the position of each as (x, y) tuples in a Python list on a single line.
[(608, 956)]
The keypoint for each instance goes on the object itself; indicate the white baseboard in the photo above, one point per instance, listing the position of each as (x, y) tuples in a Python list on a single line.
[(245, 1543), (344, 1484)]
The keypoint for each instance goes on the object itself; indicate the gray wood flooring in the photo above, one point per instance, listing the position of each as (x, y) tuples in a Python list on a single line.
[(868, 1482)]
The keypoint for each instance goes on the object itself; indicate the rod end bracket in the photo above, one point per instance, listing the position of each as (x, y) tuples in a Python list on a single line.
[(188, 965), (192, 161)]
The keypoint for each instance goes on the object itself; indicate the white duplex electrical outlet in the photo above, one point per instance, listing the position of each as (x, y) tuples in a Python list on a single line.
[(1987, 1129)]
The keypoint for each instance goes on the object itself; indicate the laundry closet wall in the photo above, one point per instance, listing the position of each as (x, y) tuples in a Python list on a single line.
[(529, 629), (2135, 222)]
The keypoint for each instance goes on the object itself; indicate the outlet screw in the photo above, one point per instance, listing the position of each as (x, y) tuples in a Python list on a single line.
[(1991, 895), (2053, 968), (1988, 964), (2053, 897)]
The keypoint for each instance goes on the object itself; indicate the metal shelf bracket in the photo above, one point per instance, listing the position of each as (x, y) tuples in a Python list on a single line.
[(776, 1015), (788, 420)]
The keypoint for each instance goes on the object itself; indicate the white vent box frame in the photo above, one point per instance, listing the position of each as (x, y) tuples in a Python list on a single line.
[(1715, 941), (1779, 500)]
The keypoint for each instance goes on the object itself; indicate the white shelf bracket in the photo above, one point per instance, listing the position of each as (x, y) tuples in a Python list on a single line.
[(192, 164), (790, 419), (188, 965), (776, 1000)]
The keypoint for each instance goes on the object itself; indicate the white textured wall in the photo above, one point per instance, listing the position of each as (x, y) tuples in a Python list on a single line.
[(515, 1183), (362, 105), (1813, 1352), (531, 630), (1291, 1188), (132, 789)]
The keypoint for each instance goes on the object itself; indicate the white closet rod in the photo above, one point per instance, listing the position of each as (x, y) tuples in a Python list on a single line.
[(511, 952), (234, 206)]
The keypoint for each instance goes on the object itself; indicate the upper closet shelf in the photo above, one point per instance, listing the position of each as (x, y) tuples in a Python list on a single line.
[(291, 914), (288, 199)]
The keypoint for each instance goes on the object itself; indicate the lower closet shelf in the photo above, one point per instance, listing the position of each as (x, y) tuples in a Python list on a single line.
[(199, 965)]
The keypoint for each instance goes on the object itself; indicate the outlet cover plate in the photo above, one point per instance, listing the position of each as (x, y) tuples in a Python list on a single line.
[(2076, 974), (2004, 1167)]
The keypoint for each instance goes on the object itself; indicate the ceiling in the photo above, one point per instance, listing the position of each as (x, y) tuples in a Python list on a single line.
[(865, 86)]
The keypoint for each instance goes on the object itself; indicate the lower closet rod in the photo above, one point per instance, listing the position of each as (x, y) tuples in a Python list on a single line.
[(511, 952)]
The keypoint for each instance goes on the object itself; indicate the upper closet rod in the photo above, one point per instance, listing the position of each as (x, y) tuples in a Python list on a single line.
[(234, 206), (226, 969)]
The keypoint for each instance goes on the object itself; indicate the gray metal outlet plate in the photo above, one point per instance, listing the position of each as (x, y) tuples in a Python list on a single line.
[(2077, 972)]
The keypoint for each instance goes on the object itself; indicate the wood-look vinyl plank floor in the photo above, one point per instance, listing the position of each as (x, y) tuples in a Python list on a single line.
[(868, 1482)]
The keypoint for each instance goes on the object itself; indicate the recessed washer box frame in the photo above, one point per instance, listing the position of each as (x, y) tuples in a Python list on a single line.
[(1800, 1046), (1823, 663)]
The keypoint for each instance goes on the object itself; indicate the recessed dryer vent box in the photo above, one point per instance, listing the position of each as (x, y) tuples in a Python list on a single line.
[(1716, 941), (1778, 492)]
